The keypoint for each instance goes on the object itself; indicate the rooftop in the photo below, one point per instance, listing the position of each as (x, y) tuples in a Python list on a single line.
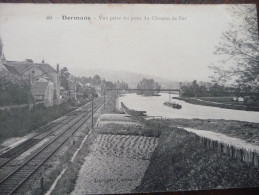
[(18, 68)]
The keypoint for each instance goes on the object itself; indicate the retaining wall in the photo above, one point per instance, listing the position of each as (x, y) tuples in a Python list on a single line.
[(241, 154)]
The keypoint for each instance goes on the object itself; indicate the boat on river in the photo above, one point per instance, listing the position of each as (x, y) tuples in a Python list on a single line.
[(173, 105)]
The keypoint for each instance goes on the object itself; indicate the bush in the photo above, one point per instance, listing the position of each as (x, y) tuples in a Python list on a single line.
[(13, 90), (18, 122)]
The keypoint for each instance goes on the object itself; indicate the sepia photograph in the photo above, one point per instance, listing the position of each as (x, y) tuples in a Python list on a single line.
[(128, 98)]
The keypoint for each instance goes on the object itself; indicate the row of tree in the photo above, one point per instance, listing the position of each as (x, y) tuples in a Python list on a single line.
[(64, 77), (121, 85), (207, 90), (95, 82), (146, 84)]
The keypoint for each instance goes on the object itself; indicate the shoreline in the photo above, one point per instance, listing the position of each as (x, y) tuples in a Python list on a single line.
[(247, 131), (187, 155), (184, 161), (217, 104)]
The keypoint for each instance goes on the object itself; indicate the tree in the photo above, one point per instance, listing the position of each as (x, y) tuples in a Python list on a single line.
[(195, 88), (239, 46), (84, 79), (122, 85), (157, 86), (146, 84), (64, 78), (14, 90), (109, 85), (97, 80)]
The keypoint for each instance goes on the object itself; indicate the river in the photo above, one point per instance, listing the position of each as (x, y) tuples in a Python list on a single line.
[(154, 107)]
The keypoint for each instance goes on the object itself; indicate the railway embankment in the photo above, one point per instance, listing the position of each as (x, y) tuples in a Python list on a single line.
[(34, 167), (18, 122)]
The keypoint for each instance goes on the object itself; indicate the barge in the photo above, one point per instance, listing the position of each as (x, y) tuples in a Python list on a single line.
[(173, 105)]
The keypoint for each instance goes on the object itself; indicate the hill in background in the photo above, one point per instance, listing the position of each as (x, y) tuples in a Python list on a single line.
[(131, 78)]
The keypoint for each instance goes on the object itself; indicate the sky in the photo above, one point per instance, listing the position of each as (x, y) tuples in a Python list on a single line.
[(178, 49)]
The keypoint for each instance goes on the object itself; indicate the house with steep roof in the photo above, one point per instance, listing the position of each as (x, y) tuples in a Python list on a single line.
[(41, 76), (35, 72)]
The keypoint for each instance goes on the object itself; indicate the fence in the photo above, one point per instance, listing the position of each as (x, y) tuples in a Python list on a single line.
[(153, 117), (241, 154)]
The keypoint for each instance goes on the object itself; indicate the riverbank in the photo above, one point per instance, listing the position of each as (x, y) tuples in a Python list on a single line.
[(218, 103), (179, 162), (126, 154), (246, 131), (182, 162), (154, 106)]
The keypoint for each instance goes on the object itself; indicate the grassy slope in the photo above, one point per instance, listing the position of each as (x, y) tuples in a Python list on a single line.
[(19, 122), (243, 130), (227, 105), (180, 163), (228, 100)]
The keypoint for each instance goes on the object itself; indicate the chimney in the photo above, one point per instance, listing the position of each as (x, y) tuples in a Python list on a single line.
[(57, 68), (43, 61)]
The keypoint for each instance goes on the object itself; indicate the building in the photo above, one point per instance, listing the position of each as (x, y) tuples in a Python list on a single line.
[(43, 91), (37, 74), (43, 78)]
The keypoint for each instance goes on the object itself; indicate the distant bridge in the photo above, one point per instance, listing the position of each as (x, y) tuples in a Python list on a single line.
[(156, 90), (132, 89)]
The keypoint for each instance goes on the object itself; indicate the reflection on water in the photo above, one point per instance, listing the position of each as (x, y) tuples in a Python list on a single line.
[(154, 107)]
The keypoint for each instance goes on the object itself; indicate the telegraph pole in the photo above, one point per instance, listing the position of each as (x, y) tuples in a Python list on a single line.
[(104, 100), (93, 113)]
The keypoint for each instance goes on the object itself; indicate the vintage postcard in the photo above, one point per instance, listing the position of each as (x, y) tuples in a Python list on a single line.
[(108, 99)]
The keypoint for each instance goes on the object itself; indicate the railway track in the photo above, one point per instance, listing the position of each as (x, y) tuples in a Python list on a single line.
[(45, 131), (12, 182)]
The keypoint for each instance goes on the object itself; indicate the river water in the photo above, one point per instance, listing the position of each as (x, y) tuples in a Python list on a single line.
[(154, 107)]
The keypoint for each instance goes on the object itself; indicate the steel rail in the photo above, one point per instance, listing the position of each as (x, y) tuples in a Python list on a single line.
[(59, 136), (22, 182), (32, 141), (66, 137)]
